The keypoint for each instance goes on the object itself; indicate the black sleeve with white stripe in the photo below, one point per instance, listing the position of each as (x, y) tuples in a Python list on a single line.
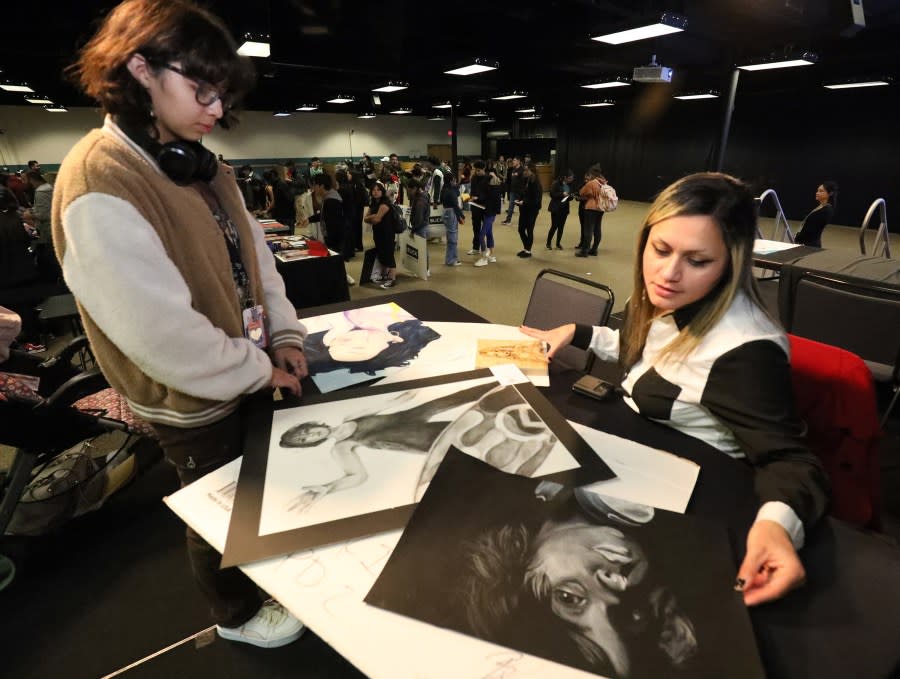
[(749, 390)]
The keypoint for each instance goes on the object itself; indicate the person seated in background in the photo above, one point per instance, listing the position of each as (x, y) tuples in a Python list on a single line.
[(703, 356), (816, 221)]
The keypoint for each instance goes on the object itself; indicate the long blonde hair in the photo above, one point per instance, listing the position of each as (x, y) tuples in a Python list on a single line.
[(731, 205)]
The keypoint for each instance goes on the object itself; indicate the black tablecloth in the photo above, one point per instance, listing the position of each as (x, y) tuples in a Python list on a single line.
[(844, 623), (314, 281)]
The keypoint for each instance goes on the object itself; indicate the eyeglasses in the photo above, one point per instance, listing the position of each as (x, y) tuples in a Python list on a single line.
[(206, 94)]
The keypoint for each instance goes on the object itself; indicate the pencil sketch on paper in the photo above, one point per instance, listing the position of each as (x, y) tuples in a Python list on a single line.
[(359, 345), (601, 584), (529, 355), (345, 458)]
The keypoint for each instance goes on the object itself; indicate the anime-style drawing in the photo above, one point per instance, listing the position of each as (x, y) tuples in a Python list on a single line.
[(367, 340), (499, 427), (587, 574)]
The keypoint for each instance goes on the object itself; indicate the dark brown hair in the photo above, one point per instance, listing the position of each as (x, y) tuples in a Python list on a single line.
[(162, 32)]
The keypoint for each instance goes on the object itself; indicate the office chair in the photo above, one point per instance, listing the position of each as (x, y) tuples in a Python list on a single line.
[(834, 395), (861, 317), (558, 298)]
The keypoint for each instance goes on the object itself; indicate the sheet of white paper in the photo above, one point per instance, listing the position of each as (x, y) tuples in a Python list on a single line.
[(645, 475), (455, 351), (325, 586), (762, 246)]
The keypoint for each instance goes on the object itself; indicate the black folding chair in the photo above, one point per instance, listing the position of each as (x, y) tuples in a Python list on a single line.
[(559, 298)]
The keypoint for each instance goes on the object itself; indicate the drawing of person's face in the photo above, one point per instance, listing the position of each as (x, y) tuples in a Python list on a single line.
[(304, 435), (360, 344), (587, 569)]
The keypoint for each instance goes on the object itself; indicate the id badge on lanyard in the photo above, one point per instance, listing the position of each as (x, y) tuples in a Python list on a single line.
[(255, 325)]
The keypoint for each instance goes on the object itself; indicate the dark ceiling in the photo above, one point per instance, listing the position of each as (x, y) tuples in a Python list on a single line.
[(324, 47)]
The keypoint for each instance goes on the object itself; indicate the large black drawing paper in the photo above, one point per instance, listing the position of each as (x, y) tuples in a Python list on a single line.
[(351, 464), (607, 586)]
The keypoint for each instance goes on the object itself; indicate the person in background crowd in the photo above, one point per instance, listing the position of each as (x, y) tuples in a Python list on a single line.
[(491, 202), (590, 228), (478, 188), (453, 217), (367, 170), (560, 198), (222, 160), (815, 222), (331, 216), (695, 328), (282, 195), (18, 187), (177, 291), (529, 207), (514, 179), (381, 217)]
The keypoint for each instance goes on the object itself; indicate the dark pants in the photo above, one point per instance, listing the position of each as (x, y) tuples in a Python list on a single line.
[(477, 222), (590, 229), (527, 217), (233, 597), (557, 224)]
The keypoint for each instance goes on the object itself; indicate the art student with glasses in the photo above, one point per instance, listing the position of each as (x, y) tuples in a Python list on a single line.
[(176, 288)]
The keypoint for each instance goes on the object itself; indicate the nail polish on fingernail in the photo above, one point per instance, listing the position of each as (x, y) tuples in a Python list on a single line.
[(739, 585)]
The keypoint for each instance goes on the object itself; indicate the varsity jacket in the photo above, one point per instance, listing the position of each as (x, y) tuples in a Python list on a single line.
[(733, 391), (149, 268)]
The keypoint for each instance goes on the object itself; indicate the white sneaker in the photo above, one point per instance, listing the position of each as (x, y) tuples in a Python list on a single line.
[(271, 627), (473, 252), (350, 280), (492, 259), (482, 262)]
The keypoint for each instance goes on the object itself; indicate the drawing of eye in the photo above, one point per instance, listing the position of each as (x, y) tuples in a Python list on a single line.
[(569, 599)]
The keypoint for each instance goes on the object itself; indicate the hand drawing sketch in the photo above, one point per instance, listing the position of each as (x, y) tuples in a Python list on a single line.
[(353, 346), (498, 427), (529, 355), (589, 581)]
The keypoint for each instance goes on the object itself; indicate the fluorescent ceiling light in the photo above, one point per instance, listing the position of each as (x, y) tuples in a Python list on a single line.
[(596, 104), (11, 87), (531, 117), (391, 87), (486, 120), (281, 114), (616, 82), (805, 59), (366, 116), (341, 99), (477, 114), (38, 100), (477, 66), (511, 95), (438, 118), (307, 107), (525, 109), (401, 111), (254, 48), (698, 95), (56, 108), (446, 104), (668, 23), (860, 83)]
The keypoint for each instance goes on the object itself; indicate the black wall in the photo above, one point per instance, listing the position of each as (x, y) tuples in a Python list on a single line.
[(783, 141)]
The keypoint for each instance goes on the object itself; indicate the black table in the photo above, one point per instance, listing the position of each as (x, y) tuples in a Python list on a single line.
[(314, 281), (775, 260), (844, 623)]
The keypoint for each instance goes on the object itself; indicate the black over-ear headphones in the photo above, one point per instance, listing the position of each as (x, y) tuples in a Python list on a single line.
[(182, 161)]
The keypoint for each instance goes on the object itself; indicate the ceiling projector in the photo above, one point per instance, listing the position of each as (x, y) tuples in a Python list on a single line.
[(652, 73)]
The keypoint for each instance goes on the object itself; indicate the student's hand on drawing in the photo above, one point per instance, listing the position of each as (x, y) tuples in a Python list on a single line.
[(281, 379), (292, 360), (771, 568), (309, 496), (557, 338)]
